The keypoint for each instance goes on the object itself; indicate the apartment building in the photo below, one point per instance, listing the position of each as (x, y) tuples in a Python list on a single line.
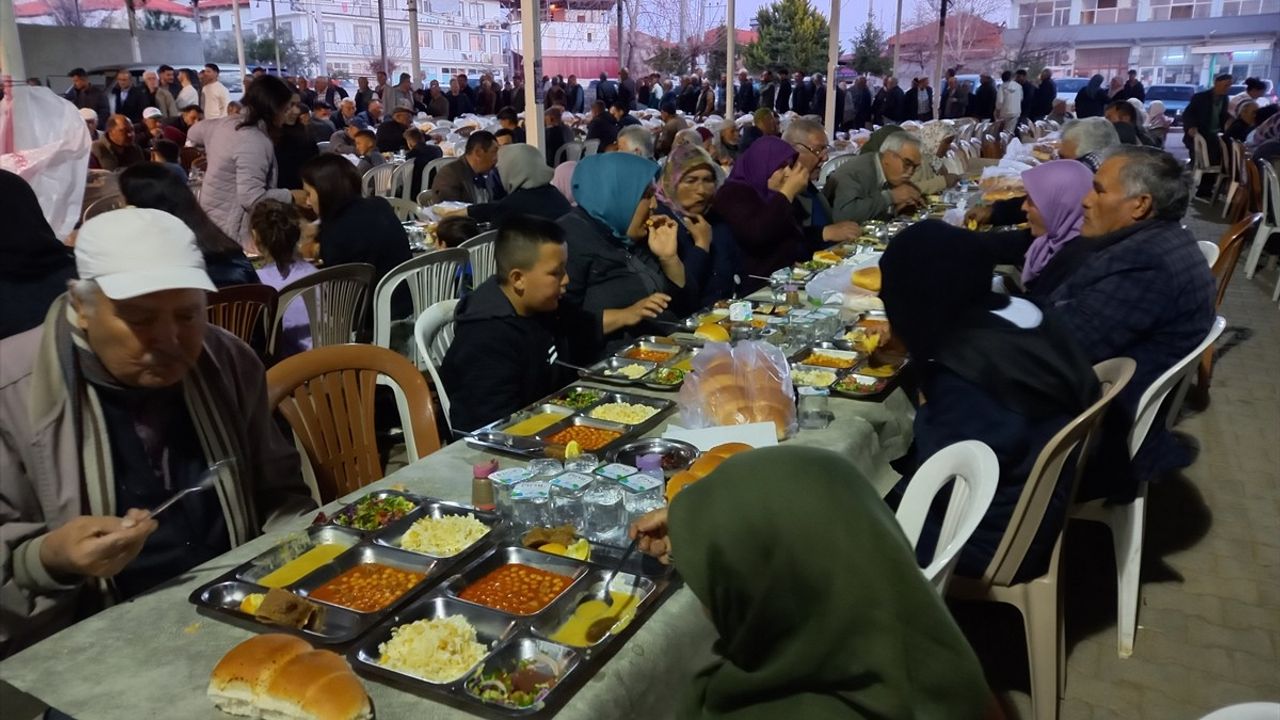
[(1166, 41), (579, 37)]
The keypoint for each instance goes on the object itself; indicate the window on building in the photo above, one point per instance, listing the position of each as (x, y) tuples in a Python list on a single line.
[(1107, 62), (1103, 12), (286, 28), (1169, 64), (1249, 7), (363, 35), (477, 11), (215, 22), (476, 42), (495, 46), (589, 36), (330, 31), (395, 37), (582, 18), (1180, 9), (1045, 13), (452, 41), (425, 39)]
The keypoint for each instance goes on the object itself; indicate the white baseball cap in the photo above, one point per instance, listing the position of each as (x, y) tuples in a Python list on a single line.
[(152, 112), (89, 114), (137, 251)]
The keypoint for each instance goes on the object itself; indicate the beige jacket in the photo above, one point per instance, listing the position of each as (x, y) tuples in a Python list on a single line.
[(51, 471)]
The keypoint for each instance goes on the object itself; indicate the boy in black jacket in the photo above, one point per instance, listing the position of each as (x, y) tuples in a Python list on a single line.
[(513, 328)]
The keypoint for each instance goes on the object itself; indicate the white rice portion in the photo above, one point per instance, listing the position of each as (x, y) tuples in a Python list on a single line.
[(437, 650), (443, 536)]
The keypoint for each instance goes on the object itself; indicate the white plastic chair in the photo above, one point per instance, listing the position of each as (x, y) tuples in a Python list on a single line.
[(433, 334), (1270, 219), (402, 181), (1127, 521), (1201, 164), (1210, 251), (977, 472), (1239, 172), (429, 174), (590, 147), (830, 166), (404, 209), (323, 146), (484, 262), (432, 277), (377, 180), (569, 151), (1246, 711)]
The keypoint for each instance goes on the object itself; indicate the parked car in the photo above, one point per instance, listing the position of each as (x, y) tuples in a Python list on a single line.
[(1067, 89), (1174, 97)]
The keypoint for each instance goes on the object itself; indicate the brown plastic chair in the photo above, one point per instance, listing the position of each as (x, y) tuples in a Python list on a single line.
[(337, 301), (246, 311), (187, 156), (1039, 599), (327, 395), (1229, 248), (102, 205)]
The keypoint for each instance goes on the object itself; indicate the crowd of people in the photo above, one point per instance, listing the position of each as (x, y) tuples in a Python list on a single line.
[(117, 391)]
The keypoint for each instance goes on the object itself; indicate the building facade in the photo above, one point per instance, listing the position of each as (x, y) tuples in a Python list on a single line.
[(1166, 41)]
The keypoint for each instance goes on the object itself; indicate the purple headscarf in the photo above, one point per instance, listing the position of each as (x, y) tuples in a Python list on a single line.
[(563, 179), (1057, 189), (762, 159)]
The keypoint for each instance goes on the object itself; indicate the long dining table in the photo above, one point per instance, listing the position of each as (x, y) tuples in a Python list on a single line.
[(151, 657)]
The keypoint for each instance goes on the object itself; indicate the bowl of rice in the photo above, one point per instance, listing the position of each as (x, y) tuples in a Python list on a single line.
[(443, 536), (438, 650)]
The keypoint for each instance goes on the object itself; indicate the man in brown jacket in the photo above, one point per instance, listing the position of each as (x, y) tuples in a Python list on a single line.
[(123, 397), (471, 179)]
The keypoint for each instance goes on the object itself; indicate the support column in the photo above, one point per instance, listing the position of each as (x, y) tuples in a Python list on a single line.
[(833, 63), (235, 9), (730, 47), (531, 45)]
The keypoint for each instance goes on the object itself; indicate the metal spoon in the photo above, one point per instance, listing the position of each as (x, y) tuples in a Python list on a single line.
[(602, 626), (207, 481)]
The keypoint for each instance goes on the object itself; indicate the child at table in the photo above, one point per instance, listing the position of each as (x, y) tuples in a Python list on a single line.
[(276, 229), (512, 330)]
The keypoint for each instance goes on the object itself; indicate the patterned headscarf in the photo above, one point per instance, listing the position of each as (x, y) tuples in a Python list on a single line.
[(682, 160), (931, 135)]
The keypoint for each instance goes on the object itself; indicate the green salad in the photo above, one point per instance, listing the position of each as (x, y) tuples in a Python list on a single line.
[(524, 688), (374, 513), (579, 399)]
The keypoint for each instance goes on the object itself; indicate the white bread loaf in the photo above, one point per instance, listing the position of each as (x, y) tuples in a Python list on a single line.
[(280, 677)]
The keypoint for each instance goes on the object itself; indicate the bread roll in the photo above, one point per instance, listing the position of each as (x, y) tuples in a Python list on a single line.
[(867, 278), (729, 449), (705, 465), (774, 412), (281, 677)]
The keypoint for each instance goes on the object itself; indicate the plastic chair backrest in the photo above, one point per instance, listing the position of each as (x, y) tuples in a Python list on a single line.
[(404, 209), (433, 334), (1246, 711), (323, 146), (1209, 250), (432, 276), (484, 261), (327, 396), (1225, 158), (428, 197), (590, 147), (569, 151), (433, 167), (402, 181), (1240, 163), (1153, 397), (246, 311), (1028, 514), (337, 300), (831, 166), (1229, 248), (377, 180), (976, 471), (1200, 150)]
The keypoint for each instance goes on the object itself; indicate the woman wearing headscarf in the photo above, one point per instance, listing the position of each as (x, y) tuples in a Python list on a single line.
[(685, 191), (935, 140), (618, 253), (1091, 101), (756, 203), (813, 624), (527, 180), (990, 367), (34, 264), (1158, 123), (562, 179)]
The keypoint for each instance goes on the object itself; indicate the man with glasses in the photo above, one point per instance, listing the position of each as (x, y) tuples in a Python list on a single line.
[(811, 207), (877, 186)]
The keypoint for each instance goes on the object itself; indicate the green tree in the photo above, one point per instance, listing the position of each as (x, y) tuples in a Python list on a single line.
[(868, 52), (669, 61), (153, 20), (793, 35), (221, 48)]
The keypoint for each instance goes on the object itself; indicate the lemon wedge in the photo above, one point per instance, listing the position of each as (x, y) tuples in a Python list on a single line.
[(572, 450), (580, 550), (553, 548)]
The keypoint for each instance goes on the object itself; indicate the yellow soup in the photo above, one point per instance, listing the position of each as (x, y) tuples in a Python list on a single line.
[(535, 424), (302, 566), (574, 631)]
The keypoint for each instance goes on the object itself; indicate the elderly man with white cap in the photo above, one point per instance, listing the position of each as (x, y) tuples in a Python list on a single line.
[(122, 398)]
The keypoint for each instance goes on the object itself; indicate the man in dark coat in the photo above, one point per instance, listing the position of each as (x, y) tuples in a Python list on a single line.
[(606, 90), (862, 103), (1132, 89), (626, 89), (802, 96), (983, 103), (894, 100), (1206, 115), (128, 99), (1046, 93), (745, 94), (783, 102), (1028, 94), (84, 94)]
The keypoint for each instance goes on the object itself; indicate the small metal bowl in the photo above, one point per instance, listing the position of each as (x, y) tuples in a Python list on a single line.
[(680, 453)]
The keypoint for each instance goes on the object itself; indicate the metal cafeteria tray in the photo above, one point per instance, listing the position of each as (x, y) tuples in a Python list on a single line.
[(491, 438), (380, 494), (658, 405), (667, 349), (394, 533), (607, 370), (509, 639), (797, 367), (368, 554), (850, 357), (881, 385), (682, 453)]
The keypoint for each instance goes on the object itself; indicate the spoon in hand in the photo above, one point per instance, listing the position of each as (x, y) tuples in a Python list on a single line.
[(207, 481), (605, 624)]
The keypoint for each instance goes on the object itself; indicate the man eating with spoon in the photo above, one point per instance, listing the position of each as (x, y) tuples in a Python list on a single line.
[(121, 399)]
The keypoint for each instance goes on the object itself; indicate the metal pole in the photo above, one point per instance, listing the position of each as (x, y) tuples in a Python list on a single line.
[(684, 34), (235, 8), (897, 36), (937, 73), (382, 42), (319, 35), (415, 55), (531, 45), (833, 63), (275, 39), (131, 11), (622, 57), (731, 38)]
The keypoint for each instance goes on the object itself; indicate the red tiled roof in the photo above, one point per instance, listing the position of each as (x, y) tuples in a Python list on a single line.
[(743, 37), (41, 7), (985, 33)]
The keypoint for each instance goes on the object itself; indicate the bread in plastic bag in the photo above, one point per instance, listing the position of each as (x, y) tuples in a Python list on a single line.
[(44, 141), (736, 385)]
